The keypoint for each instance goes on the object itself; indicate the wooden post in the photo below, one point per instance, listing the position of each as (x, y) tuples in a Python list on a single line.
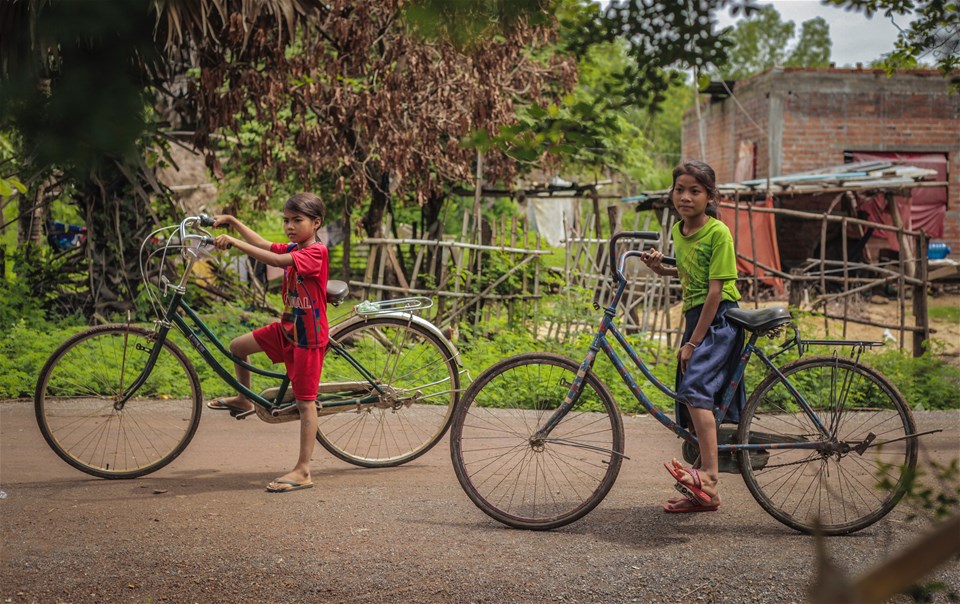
[(920, 298), (753, 249), (795, 295), (901, 288), (846, 276), (536, 290), (347, 230), (823, 268), (458, 264), (736, 222), (416, 267), (599, 228), (896, 218), (477, 195)]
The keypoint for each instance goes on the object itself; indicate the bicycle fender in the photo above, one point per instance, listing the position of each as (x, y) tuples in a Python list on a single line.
[(450, 346)]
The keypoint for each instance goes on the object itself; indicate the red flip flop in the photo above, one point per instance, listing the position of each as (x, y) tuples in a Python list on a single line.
[(691, 491), (694, 506)]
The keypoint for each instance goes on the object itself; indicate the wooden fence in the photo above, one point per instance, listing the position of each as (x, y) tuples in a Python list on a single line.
[(496, 270), (833, 288), (459, 273)]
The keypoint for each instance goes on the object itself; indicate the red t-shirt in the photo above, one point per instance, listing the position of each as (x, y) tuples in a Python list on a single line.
[(305, 294)]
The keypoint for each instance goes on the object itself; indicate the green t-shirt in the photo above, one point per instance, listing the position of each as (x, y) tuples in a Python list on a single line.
[(706, 255)]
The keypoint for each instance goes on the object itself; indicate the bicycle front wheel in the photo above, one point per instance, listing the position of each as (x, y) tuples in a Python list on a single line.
[(519, 477), (869, 450), (418, 374), (80, 384)]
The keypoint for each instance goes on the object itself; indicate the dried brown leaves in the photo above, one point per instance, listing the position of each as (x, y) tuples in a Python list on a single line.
[(364, 96)]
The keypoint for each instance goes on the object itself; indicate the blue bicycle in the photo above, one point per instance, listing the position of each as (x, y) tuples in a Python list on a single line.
[(825, 442)]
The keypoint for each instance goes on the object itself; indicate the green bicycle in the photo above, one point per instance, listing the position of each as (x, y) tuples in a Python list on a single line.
[(122, 401)]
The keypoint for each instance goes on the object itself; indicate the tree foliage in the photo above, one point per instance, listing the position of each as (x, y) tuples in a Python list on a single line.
[(763, 40), (79, 83), (813, 48), (660, 37), (368, 101), (933, 36)]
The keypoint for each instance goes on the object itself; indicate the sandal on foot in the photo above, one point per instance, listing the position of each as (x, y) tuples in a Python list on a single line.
[(289, 485), (692, 491), (218, 404), (687, 505)]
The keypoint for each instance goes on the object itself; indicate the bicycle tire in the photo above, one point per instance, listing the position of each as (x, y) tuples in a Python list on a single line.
[(525, 483), (422, 381), (810, 490), (75, 394)]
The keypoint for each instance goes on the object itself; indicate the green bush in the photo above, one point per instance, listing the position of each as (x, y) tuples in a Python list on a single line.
[(926, 382), (24, 348)]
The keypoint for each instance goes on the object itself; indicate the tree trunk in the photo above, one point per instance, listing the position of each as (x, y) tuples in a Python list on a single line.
[(31, 210), (430, 214), (379, 191), (119, 217)]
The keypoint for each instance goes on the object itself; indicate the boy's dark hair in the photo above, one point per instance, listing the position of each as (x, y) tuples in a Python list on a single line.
[(707, 178), (308, 204)]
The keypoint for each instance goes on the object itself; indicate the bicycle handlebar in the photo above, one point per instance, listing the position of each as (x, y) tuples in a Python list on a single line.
[(645, 235)]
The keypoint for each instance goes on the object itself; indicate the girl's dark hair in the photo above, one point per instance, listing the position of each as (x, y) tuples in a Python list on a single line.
[(308, 204), (707, 178)]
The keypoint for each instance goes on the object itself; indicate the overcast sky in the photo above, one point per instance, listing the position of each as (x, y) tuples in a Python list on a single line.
[(856, 39)]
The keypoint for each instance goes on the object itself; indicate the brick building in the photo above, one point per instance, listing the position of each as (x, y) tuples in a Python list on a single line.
[(790, 120)]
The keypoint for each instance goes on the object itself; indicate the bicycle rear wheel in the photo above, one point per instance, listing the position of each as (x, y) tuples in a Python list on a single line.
[(88, 373), (419, 374), (519, 479), (859, 476)]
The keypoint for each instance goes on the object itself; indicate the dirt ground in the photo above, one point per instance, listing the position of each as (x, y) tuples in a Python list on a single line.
[(880, 309), (203, 530)]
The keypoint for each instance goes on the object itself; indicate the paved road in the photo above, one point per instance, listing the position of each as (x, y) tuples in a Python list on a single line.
[(204, 530)]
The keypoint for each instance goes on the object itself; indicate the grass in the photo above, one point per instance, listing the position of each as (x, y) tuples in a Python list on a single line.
[(951, 314)]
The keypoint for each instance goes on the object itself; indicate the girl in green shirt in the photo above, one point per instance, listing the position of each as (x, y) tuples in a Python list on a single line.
[(710, 349)]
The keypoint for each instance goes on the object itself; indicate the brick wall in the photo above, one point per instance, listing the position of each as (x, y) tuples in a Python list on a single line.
[(810, 117)]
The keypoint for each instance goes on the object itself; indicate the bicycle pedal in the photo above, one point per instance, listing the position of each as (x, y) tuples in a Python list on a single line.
[(242, 414)]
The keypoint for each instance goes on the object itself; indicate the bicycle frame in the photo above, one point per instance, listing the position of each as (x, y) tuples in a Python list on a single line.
[(172, 317), (602, 342)]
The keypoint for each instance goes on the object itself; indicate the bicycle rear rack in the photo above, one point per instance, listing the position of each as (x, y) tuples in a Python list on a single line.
[(370, 308)]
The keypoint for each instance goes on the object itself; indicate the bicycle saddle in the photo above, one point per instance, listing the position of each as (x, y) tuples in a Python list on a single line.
[(759, 320), (336, 292)]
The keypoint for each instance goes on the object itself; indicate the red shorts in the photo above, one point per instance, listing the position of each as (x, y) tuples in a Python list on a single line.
[(304, 365)]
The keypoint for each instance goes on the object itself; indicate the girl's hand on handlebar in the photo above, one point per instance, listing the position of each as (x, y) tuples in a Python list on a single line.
[(653, 259)]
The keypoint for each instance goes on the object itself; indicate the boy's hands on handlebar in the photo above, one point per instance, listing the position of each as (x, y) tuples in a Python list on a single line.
[(224, 242), (223, 221)]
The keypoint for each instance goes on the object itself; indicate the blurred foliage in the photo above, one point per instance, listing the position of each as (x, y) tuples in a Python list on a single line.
[(70, 87), (933, 35), (763, 40), (661, 38)]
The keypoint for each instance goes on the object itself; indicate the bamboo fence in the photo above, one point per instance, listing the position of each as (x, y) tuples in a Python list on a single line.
[(457, 274)]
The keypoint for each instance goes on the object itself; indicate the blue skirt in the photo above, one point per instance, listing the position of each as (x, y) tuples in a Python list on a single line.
[(711, 367)]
